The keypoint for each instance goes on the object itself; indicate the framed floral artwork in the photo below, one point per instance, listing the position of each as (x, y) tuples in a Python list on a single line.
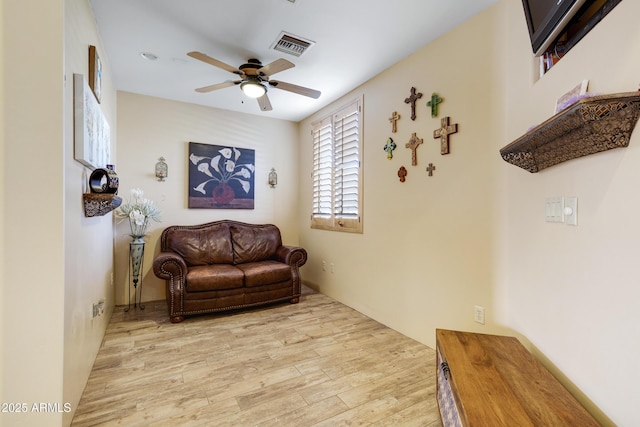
[(221, 177)]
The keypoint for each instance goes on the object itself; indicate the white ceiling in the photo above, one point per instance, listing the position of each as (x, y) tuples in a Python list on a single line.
[(354, 41)]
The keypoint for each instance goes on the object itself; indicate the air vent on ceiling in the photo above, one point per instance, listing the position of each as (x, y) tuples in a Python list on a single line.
[(293, 45)]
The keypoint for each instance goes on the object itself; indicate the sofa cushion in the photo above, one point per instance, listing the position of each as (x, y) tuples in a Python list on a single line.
[(254, 243), (211, 245), (214, 277), (264, 273)]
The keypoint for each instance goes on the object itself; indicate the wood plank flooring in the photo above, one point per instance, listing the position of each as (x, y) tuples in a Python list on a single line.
[(316, 363)]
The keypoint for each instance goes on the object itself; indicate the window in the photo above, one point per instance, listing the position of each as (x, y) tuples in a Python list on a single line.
[(337, 171)]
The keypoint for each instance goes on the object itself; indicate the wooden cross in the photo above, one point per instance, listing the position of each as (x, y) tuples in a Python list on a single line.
[(389, 147), (443, 133), (430, 169), (435, 100), (394, 121), (413, 146), (402, 173), (412, 100)]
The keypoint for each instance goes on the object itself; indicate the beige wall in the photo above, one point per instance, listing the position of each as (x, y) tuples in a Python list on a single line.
[(151, 127), (432, 248), (426, 255), (574, 291), (33, 203), (56, 261), (474, 233), (88, 247), (2, 205)]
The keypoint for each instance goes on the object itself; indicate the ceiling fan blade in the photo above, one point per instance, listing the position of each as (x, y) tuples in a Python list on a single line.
[(300, 90), (222, 85), (264, 103), (275, 67), (209, 60)]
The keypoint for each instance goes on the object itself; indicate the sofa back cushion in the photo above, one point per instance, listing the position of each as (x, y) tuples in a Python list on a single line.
[(201, 246), (253, 243)]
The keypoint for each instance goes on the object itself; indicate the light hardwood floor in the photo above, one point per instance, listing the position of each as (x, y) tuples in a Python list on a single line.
[(316, 363)]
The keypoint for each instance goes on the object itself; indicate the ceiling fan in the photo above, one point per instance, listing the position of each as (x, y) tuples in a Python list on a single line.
[(255, 79)]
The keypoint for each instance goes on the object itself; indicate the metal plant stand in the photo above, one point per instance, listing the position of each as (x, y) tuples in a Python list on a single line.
[(136, 264)]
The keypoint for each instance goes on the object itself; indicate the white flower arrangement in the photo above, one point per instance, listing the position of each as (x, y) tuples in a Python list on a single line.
[(139, 210)]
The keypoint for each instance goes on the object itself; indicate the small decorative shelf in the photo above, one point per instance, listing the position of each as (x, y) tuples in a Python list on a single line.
[(589, 126), (99, 204)]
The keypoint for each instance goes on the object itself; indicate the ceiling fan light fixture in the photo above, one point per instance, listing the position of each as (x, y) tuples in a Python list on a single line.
[(253, 88)]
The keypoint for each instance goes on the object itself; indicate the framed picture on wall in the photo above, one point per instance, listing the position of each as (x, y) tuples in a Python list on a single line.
[(92, 137), (95, 72), (221, 177)]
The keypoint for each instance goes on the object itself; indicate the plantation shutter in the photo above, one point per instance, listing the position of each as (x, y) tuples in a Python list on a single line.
[(337, 176), (322, 169), (347, 162)]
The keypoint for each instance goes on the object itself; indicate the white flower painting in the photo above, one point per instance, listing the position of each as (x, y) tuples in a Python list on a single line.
[(221, 177)]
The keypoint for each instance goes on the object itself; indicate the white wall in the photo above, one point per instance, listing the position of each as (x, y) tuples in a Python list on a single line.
[(149, 128), (88, 247), (574, 291), (33, 206)]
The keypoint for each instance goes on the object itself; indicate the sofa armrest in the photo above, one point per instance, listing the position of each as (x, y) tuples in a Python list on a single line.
[(292, 255), (172, 267), (168, 265)]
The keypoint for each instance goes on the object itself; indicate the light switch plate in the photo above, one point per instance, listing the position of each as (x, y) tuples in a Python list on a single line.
[(570, 210), (553, 209)]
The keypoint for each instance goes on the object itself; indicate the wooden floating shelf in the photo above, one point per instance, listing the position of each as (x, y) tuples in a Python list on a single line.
[(589, 126), (99, 204)]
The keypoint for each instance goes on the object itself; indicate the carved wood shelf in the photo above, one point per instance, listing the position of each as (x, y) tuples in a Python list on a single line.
[(589, 126), (99, 204)]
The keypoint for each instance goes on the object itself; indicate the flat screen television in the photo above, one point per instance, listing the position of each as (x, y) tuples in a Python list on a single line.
[(546, 19)]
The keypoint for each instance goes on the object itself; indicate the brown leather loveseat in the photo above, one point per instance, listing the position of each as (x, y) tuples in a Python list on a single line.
[(225, 265)]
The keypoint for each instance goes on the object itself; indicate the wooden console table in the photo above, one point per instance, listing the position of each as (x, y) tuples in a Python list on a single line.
[(490, 380)]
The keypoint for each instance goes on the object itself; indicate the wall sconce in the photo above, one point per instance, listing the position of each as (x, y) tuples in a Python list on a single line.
[(162, 170), (273, 178)]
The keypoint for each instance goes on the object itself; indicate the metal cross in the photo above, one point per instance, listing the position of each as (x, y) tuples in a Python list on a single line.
[(413, 146), (394, 121), (435, 100), (443, 133), (412, 100), (430, 169)]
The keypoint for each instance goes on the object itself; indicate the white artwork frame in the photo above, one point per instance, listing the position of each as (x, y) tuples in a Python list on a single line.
[(92, 137), (572, 96)]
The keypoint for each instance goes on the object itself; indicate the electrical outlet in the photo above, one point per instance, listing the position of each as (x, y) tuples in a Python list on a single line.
[(324, 265), (333, 268), (98, 308), (478, 314)]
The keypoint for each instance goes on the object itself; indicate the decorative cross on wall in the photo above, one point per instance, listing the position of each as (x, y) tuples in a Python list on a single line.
[(394, 121), (389, 147), (413, 146), (430, 169), (435, 100), (412, 100), (443, 133), (402, 173)]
